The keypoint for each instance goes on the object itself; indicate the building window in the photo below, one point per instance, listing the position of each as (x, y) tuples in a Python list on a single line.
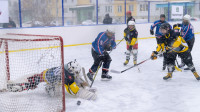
[(65, 1), (66, 10), (90, 1), (199, 6), (146, 7), (108, 9), (130, 7), (143, 7), (119, 8), (72, 1)]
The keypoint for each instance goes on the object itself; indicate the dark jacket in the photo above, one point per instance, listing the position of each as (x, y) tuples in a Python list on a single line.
[(11, 24), (107, 19), (130, 19)]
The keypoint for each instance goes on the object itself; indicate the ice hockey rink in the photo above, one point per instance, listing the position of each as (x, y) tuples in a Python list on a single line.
[(131, 91), (135, 91), (78, 22)]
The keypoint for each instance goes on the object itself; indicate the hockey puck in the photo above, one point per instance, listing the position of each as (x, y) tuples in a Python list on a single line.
[(78, 102)]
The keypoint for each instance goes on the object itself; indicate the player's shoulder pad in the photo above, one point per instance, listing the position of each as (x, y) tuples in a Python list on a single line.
[(157, 21), (126, 29), (101, 33)]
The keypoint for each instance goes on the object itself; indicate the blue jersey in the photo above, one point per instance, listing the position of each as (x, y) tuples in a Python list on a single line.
[(157, 24), (102, 41), (187, 32)]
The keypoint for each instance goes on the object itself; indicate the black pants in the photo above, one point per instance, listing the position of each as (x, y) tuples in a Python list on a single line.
[(186, 57), (98, 59), (190, 43)]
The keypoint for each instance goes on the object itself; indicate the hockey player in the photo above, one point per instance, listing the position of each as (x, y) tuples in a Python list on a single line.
[(104, 42), (173, 44), (74, 83), (130, 35), (129, 17), (187, 32), (158, 34)]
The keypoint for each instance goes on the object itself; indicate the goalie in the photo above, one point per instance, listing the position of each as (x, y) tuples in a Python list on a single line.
[(74, 83)]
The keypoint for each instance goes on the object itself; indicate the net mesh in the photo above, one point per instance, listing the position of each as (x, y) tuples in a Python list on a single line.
[(25, 56)]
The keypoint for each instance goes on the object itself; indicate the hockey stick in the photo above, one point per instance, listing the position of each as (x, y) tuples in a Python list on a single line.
[(85, 77), (115, 71), (178, 68), (95, 74), (177, 63), (101, 63)]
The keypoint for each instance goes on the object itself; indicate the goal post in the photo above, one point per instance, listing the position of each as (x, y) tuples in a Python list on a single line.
[(25, 54)]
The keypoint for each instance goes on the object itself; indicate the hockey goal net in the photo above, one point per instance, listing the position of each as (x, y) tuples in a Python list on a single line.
[(26, 55)]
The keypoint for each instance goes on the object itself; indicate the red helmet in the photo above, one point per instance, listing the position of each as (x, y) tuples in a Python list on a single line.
[(128, 12)]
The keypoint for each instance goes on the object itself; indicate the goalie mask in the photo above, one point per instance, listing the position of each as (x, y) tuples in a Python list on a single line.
[(73, 67)]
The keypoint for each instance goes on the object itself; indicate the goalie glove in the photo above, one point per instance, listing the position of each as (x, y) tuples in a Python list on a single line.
[(154, 55)]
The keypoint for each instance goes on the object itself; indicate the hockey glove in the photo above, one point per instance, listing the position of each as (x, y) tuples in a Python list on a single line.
[(126, 38), (154, 55), (151, 32), (175, 25), (108, 47), (105, 53)]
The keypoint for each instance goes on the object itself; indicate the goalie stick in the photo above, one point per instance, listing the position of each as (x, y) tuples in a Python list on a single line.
[(84, 75)]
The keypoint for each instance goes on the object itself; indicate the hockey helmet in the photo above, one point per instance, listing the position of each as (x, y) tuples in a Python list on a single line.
[(186, 19), (162, 15), (131, 23), (164, 28), (73, 67), (128, 12)]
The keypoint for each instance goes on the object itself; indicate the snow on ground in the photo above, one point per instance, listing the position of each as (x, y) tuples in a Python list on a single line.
[(135, 91)]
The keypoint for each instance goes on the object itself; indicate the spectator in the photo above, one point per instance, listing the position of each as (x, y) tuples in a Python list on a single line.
[(129, 17), (107, 19), (11, 24)]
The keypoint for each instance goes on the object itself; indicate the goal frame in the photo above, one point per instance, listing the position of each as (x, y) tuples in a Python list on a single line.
[(54, 37)]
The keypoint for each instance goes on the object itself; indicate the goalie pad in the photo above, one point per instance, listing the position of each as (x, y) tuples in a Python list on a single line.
[(86, 94), (53, 90), (17, 87)]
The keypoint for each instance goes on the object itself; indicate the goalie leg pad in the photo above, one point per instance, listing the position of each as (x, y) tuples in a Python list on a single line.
[(18, 87), (86, 94), (52, 90)]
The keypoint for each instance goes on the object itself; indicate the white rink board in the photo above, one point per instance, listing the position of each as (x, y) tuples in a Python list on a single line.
[(86, 34)]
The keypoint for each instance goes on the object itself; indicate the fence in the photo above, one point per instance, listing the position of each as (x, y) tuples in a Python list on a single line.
[(42, 13)]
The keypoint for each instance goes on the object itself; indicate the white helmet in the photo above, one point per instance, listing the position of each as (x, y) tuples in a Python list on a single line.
[(111, 29), (186, 17), (73, 67), (131, 23)]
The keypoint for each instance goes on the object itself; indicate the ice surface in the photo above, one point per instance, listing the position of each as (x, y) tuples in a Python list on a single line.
[(132, 91), (135, 91)]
